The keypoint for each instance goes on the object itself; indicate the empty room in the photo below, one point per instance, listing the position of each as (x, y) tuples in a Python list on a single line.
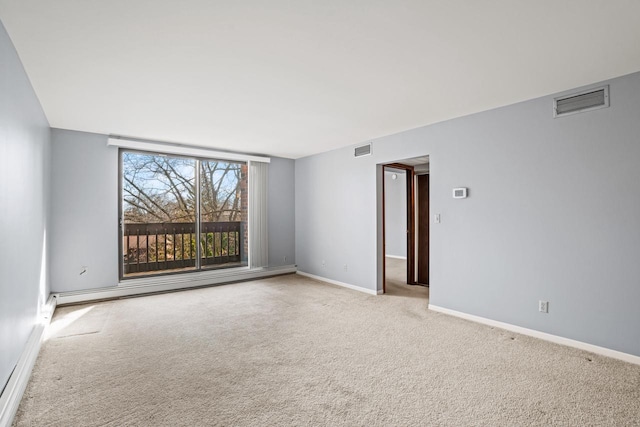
[(362, 213)]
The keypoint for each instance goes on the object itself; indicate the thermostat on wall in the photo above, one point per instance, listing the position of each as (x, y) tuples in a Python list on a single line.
[(459, 193)]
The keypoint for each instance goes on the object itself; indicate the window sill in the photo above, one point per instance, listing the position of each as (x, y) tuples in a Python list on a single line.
[(185, 277)]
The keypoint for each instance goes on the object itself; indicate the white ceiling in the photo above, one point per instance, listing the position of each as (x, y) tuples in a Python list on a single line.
[(293, 78)]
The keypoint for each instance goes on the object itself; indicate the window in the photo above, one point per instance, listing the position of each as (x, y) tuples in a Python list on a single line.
[(182, 214)]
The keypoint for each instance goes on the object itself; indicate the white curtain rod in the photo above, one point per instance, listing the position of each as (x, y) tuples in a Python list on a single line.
[(184, 150)]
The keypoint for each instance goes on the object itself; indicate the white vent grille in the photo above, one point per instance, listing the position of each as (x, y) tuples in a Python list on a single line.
[(363, 150), (591, 99)]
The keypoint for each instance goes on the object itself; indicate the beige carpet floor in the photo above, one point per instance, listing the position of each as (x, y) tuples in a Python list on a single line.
[(293, 351)]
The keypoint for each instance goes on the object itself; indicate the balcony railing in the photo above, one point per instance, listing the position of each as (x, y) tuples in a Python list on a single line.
[(158, 247)]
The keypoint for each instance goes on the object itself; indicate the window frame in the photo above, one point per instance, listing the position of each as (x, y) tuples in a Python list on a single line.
[(198, 268)]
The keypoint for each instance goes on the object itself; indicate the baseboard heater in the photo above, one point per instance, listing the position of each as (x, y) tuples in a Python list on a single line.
[(168, 283)]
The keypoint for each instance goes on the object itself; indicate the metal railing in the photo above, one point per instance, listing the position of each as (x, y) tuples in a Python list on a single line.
[(158, 247)]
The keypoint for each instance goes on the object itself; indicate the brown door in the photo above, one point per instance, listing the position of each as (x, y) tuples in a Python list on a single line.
[(423, 230)]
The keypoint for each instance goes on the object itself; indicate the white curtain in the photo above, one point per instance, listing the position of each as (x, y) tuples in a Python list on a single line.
[(258, 247)]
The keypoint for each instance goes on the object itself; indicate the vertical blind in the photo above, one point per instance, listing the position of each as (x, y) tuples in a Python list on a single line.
[(258, 246)]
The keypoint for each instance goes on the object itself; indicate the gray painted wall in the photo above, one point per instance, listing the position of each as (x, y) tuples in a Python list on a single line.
[(24, 171), (553, 214), (281, 212), (84, 213), (395, 196)]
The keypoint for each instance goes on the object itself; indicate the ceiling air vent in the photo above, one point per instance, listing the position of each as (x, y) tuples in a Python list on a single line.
[(363, 150), (588, 100)]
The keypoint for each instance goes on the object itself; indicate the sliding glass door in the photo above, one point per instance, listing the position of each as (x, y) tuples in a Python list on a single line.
[(181, 214), (223, 213)]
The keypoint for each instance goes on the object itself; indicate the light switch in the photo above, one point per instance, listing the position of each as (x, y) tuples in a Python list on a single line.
[(436, 218)]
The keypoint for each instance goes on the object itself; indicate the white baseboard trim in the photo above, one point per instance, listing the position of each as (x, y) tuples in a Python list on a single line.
[(396, 256), (12, 394), (335, 282), (603, 351), (168, 283)]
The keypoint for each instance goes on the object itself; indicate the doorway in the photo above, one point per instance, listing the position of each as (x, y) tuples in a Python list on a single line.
[(405, 223)]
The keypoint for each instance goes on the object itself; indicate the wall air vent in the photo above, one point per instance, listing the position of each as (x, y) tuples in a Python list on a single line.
[(363, 150), (588, 100)]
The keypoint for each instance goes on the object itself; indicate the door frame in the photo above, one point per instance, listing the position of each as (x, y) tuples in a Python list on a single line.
[(411, 232)]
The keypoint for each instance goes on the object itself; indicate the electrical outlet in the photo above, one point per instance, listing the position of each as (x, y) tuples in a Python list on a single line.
[(285, 258), (436, 218), (324, 264), (346, 268), (543, 306), (83, 270)]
